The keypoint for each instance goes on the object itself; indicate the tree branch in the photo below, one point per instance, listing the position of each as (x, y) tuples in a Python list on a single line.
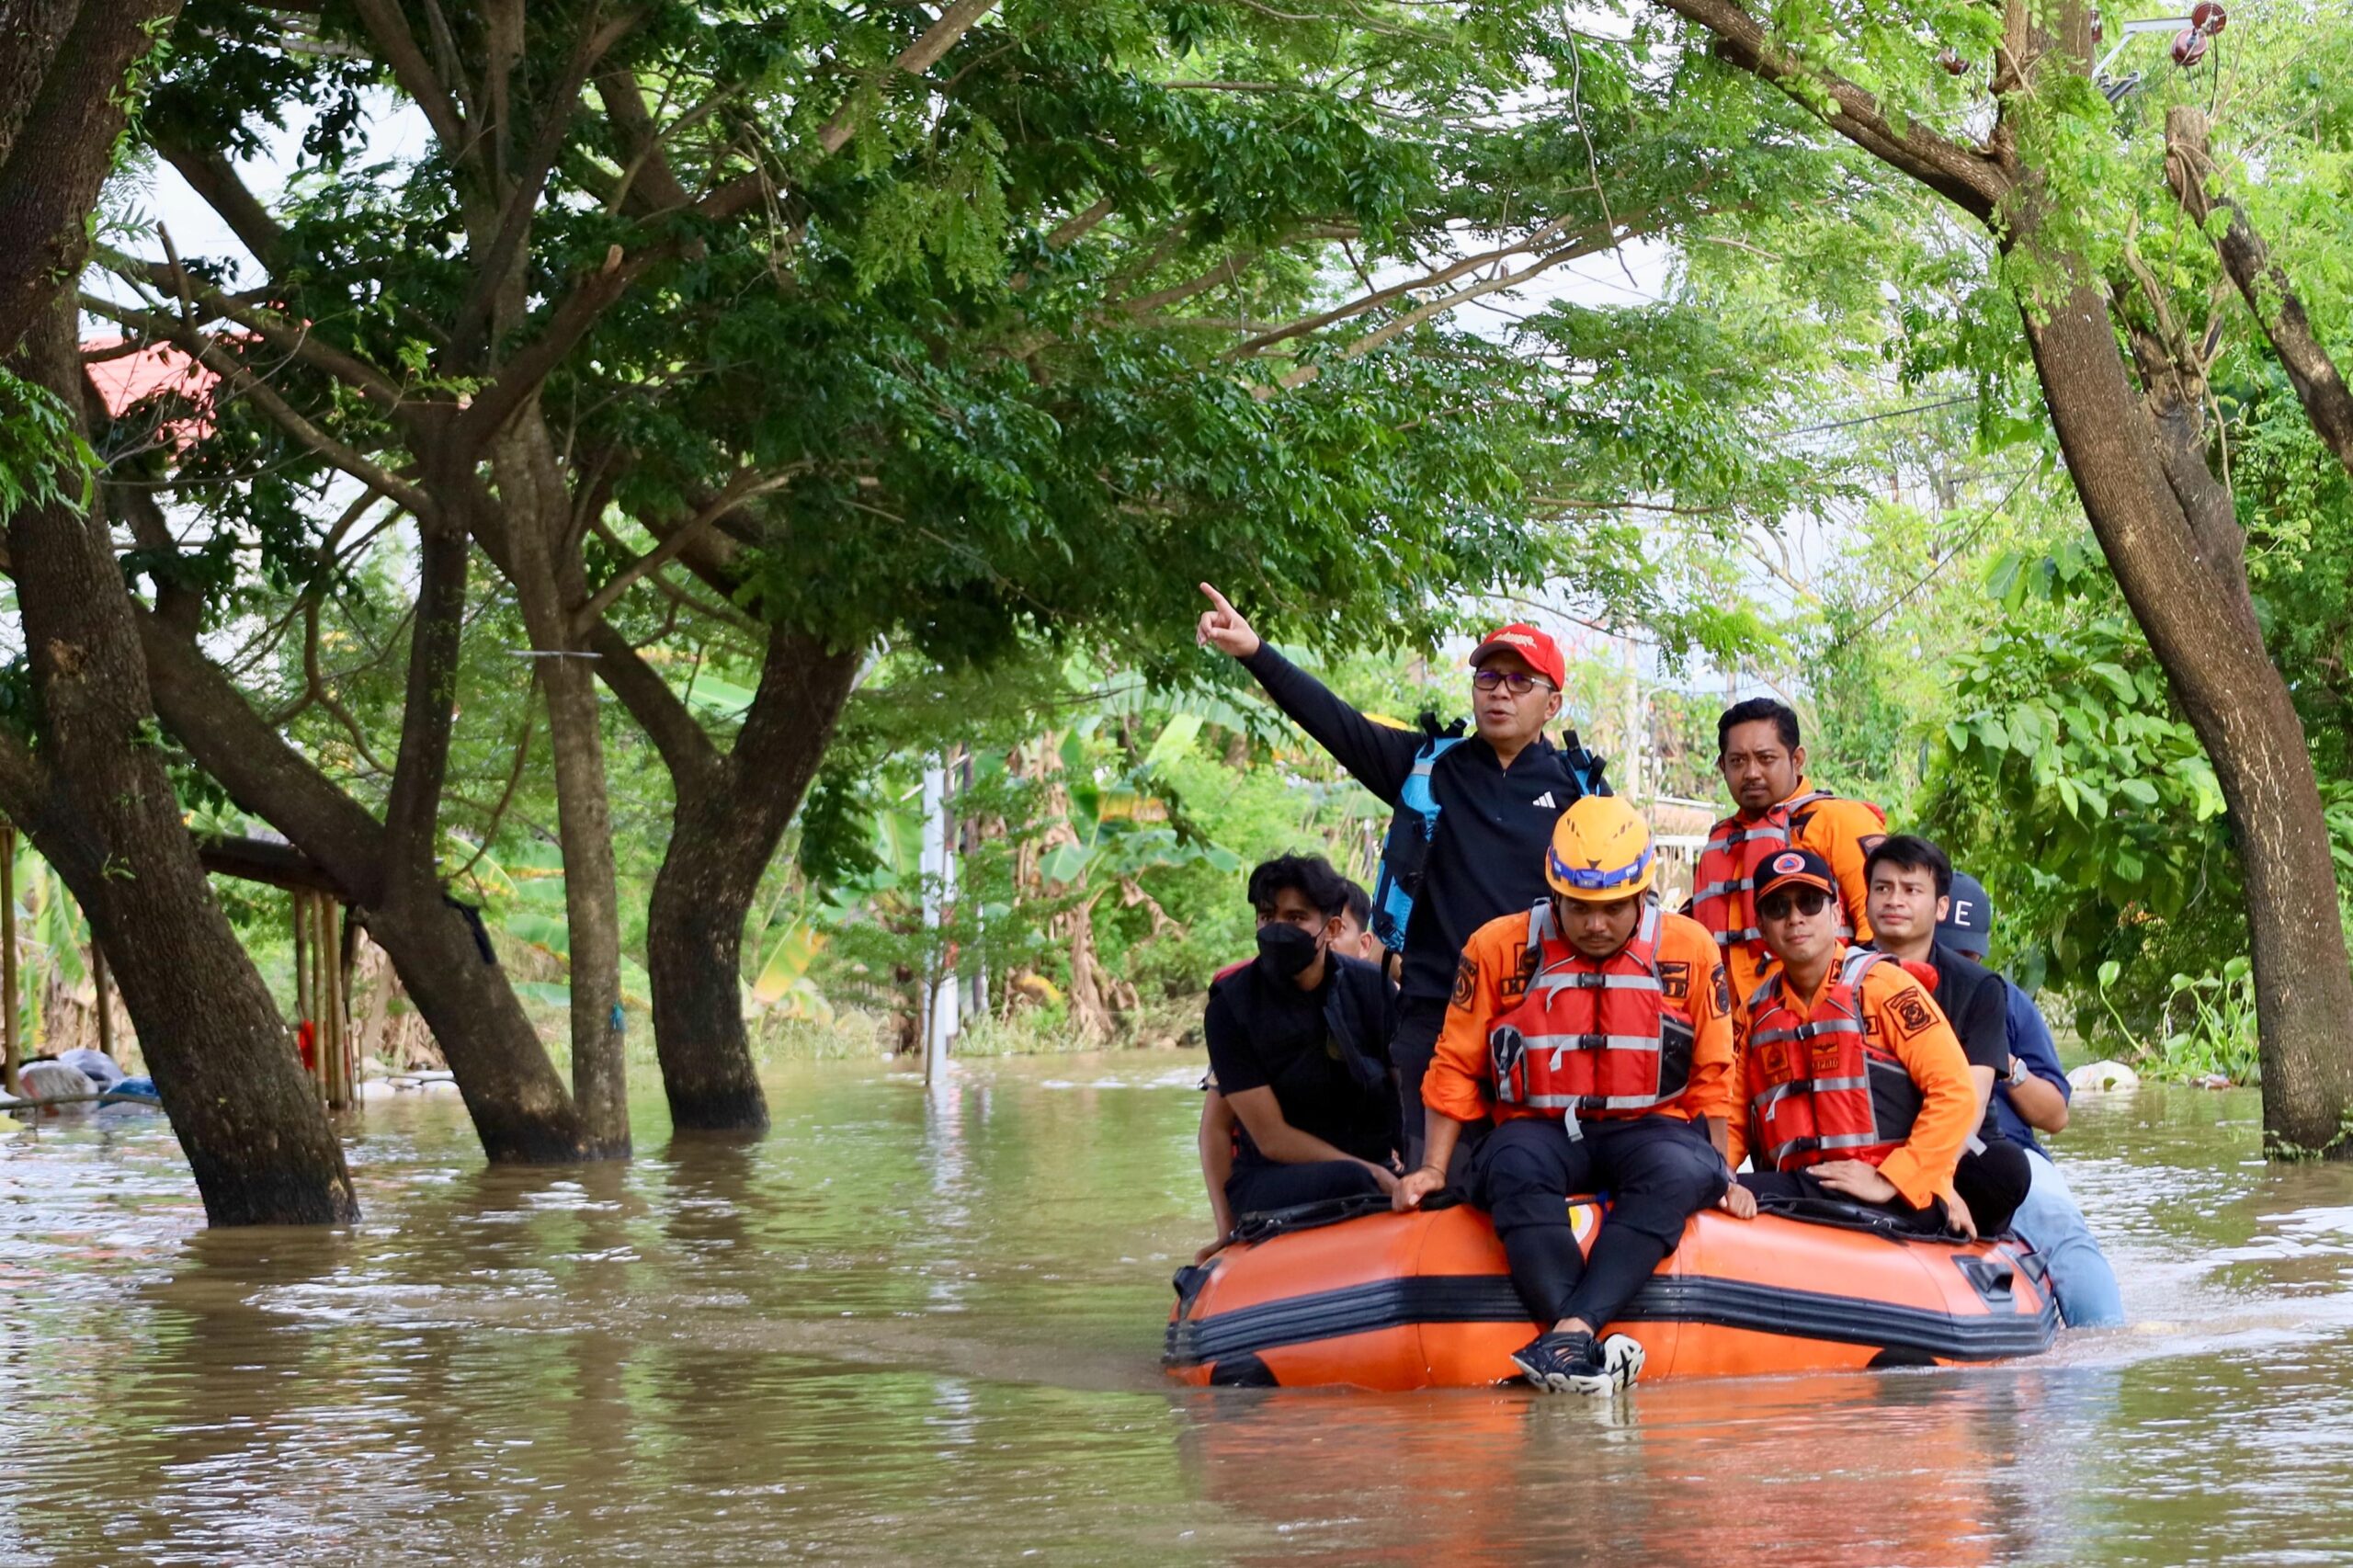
[(741, 486), (522, 376), (1970, 181), (2262, 282), (523, 199), (687, 749), (210, 175), (299, 342), (914, 60), (398, 47), (281, 413)]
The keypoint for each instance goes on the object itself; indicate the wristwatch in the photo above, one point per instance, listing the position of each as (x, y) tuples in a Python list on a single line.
[(2018, 1073)]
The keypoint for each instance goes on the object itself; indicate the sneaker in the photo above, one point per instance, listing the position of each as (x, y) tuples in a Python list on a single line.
[(1551, 1361), (1609, 1366)]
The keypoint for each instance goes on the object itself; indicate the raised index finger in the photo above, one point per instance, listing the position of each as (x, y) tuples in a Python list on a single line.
[(1219, 599)]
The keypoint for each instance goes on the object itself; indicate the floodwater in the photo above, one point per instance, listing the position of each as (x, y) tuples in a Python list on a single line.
[(910, 1328)]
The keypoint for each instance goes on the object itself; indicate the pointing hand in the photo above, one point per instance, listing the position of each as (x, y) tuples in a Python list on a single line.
[(1223, 629)]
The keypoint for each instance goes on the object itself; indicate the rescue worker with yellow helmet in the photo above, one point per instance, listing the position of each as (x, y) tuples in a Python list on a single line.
[(1595, 1030)]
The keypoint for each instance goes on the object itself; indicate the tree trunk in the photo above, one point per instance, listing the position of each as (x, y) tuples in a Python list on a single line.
[(2170, 536), (520, 1107), (63, 102), (547, 577), (99, 805), (724, 831), (2176, 553)]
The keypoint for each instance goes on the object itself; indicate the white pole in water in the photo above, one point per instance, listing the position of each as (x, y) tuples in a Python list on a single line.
[(940, 1012)]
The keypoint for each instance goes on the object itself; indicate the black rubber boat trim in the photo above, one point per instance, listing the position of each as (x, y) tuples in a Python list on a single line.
[(1722, 1303)]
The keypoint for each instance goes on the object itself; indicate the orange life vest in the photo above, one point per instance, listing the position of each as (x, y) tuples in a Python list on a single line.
[(1819, 1086), (1726, 899), (1595, 1039)]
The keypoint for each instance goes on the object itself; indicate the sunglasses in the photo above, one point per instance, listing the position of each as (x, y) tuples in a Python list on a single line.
[(1517, 682), (1807, 900)]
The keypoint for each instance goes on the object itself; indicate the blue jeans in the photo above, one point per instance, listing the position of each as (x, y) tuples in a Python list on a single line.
[(2054, 1226)]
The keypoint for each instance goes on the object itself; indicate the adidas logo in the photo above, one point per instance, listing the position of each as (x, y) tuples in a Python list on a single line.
[(1543, 800)]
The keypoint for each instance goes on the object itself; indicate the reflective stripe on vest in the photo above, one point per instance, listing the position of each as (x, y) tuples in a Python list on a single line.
[(1860, 1104), (1595, 1040)]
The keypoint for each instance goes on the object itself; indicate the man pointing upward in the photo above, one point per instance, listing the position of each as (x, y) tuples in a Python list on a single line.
[(1475, 812)]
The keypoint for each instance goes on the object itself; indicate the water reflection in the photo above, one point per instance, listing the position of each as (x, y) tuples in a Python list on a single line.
[(910, 1326)]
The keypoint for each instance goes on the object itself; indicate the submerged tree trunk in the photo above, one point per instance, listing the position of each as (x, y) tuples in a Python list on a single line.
[(2170, 536), (98, 805), (518, 1103), (729, 819)]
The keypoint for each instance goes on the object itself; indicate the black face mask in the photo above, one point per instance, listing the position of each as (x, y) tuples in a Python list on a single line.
[(1285, 950)]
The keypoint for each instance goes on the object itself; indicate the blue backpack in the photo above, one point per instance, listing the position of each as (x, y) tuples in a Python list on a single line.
[(1406, 851)]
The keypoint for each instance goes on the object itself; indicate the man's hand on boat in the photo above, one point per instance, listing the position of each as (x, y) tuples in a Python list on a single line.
[(1738, 1201), (1223, 629), (1414, 1186), (1858, 1180)]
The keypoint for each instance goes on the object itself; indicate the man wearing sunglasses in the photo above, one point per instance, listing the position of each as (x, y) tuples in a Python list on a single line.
[(1596, 1031), (1493, 800), (1855, 1087)]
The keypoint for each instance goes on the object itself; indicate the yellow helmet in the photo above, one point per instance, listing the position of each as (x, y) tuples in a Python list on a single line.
[(1601, 851)]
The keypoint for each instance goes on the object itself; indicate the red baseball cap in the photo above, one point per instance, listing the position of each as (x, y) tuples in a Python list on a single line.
[(1543, 654)]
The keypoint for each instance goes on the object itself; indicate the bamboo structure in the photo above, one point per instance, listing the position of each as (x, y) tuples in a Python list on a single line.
[(99, 988), (11, 1016), (322, 994)]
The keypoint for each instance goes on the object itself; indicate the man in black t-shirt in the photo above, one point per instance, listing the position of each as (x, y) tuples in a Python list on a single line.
[(1295, 1040), (1910, 888)]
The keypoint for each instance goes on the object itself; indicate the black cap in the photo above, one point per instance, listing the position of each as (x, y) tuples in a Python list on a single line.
[(1968, 926), (1795, 868)]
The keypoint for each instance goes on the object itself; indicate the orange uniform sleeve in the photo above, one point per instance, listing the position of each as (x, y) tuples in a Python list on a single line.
[(1736, 1119), (1842, 832), (1711, 1090), (1459, 1082), (1905, 1020)]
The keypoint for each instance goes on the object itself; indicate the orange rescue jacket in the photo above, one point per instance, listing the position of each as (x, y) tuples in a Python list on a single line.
[(1536, 1028), (1841, 830), (1867, 1069)]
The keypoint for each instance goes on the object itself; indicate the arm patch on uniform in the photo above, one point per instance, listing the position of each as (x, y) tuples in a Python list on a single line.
[(1723, 990), (1675, 981), (1466, 982), (1912, 1014), (1522, 976), (1870, 842)]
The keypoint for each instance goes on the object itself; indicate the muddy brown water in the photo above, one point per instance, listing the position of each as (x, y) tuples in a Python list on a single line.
[(924, 1328)]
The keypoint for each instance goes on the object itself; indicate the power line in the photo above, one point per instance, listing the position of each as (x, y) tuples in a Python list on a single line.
[(1875, 418)]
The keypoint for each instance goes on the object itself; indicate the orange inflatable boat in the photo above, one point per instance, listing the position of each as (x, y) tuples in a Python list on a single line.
[(1338, 1295)]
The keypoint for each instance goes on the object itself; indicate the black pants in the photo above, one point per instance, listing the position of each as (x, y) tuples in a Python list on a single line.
[(1993, 1182), (1804, 1184), (1658, 1172), (1420, 1020), (1256, 1189)]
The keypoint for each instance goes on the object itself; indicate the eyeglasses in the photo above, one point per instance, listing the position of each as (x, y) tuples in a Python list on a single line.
[(1808, 902), (1517, 682)]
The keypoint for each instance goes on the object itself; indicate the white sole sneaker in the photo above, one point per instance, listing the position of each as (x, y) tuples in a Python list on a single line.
[(1621, 1363)]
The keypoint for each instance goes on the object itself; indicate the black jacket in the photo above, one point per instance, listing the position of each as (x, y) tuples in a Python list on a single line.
[(1494, 824), (1974, 1000), (1324, 1053)]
